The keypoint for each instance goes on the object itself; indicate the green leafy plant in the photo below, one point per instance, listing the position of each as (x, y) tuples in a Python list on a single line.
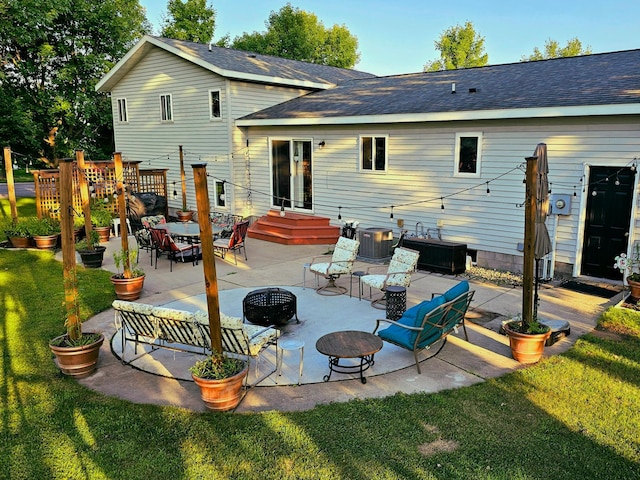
[(629, 265), (19, 229), (217, 367), (120, 258), (43, 226), (101, 216), (89, 242)]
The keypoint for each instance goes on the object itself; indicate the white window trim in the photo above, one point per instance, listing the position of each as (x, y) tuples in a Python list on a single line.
[(119, 102), (211, 117), (386, 153), (456, 156), (161, 97)]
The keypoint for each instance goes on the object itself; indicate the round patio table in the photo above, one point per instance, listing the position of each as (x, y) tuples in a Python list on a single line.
[(349, 344)]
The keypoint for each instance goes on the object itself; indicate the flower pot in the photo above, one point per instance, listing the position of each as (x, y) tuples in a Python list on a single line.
[(20, 242), (526, 347), (127, 289), (184, 216), (635, 288), (78, 362), (92, 258), (222, 395), (103, 233), (45, 242)]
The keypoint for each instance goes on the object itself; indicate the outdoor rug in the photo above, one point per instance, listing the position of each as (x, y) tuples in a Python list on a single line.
[(595, 290)]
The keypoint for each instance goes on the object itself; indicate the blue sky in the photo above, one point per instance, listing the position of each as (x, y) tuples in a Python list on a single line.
[(397, 36)]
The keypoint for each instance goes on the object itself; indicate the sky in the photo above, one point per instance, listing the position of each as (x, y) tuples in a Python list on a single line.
[(397, 36)]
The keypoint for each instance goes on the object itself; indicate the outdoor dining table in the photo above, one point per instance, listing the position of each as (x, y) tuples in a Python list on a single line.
[(190, 231)]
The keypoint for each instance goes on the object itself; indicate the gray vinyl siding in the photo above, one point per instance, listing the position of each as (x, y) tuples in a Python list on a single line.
[(217, 142), (420, 172)]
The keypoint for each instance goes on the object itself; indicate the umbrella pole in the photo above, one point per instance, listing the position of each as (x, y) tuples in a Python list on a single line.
[(536, 299)]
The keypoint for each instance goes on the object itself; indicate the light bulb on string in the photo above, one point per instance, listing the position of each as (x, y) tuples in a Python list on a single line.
[(594, 193), (441, 203), (488, 190), (617, 182), (391, 216), (282, 213), (339, 213), (550, 187), (574, 191)]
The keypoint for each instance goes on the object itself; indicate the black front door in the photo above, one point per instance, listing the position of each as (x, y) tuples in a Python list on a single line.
[(606, 230)]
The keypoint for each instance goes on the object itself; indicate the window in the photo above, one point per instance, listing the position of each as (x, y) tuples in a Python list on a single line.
[(373, 153), (166, 109), (122, 111), (214, 103), (220, 196), (468, 154)]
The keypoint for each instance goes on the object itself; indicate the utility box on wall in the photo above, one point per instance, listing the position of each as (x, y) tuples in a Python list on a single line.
[(375, 243)]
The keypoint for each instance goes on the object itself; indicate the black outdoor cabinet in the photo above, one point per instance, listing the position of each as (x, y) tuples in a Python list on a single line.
[(439, 256)]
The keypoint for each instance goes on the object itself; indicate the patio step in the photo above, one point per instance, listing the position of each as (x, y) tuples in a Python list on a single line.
[(294, 229)]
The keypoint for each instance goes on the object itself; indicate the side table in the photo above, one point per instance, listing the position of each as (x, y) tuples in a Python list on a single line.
[(358, 274), (290, 345), (396, 301)]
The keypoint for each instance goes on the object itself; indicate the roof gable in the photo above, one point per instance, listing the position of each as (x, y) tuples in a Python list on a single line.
[(601, 80), (234, 64)]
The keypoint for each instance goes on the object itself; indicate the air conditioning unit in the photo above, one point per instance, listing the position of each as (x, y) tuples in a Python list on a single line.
[(375, 243)]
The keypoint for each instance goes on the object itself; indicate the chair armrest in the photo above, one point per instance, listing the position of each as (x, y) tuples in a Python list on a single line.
[(324, 257), (375, 267), (260, 332), (393, 322)]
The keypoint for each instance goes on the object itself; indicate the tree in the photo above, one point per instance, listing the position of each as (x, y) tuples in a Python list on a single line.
[(191, 20), (460, 47), (299, 35), (552, 49), (52, 54)]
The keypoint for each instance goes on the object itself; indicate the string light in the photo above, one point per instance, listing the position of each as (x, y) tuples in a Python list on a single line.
[(617, 182), (175, 192), (282, 214), (339, 213), (441, 203), (488, 190), (391, 216)]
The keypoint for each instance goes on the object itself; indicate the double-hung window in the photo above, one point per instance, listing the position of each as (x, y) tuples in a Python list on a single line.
[(123, 116), (166, 108), (214, 105), (373, 153), (468, 153)]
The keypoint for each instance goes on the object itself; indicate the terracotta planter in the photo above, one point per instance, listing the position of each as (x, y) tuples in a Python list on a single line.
[(635, 289), (20, 242), (184, 216), (78, 362), (222, 395), (92, 258), (45, 242), (526, 348), (103, 233), (128, 289)]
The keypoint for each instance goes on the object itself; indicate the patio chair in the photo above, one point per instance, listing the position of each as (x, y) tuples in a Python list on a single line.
[(341, 263), (180, 251), (234, 243), (429, 322), (143, 235), (402, 265)]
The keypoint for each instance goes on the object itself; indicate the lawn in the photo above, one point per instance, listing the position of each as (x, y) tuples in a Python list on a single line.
[(575, 415)]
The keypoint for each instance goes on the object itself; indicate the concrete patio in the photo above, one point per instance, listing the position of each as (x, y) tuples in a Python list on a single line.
[(459, 364)]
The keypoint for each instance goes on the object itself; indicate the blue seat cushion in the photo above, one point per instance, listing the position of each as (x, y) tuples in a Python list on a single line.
[(413, 318), (456, 291)]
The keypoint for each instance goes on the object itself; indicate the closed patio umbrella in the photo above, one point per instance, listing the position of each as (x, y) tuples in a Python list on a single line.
[(542, 244)]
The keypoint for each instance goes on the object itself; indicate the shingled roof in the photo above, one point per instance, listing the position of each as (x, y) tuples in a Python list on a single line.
[(235, 64), (593, 84)]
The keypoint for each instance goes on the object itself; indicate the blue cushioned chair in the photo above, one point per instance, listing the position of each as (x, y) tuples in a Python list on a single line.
[(425, 324)]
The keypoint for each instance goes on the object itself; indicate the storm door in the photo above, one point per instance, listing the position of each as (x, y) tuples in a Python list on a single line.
[(291, 174), (608, 219)]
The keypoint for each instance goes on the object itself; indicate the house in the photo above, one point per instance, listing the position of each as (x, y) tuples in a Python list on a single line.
[(439, 152)]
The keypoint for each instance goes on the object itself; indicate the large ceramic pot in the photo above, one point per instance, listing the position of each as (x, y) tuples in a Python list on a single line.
[(635, 288), (103, 233), (78, 362), (127, 289), (222, 395), (20, 242), (184, 215), (46, 242), (526, 347), (92, 258)]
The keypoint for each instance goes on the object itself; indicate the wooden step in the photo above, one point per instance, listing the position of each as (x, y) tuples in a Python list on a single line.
[(294, 229)]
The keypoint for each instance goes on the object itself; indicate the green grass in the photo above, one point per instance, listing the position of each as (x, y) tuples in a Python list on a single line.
[(19, 175), (26, 207), (573, 416)]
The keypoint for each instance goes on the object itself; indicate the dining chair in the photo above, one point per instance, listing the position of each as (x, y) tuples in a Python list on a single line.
[(234, 243)]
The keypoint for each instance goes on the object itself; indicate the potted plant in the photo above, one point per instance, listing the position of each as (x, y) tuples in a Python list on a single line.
[(90, 250), (45, 232), (185, 215), (101, 218), (630, 269), (220, 378), (526, 339), (129, 280), (18, 233)]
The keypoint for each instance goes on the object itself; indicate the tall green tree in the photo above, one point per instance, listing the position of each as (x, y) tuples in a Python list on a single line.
[(460, 47), (299, 35), (52, 54), (191, 20), (552, 49)]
